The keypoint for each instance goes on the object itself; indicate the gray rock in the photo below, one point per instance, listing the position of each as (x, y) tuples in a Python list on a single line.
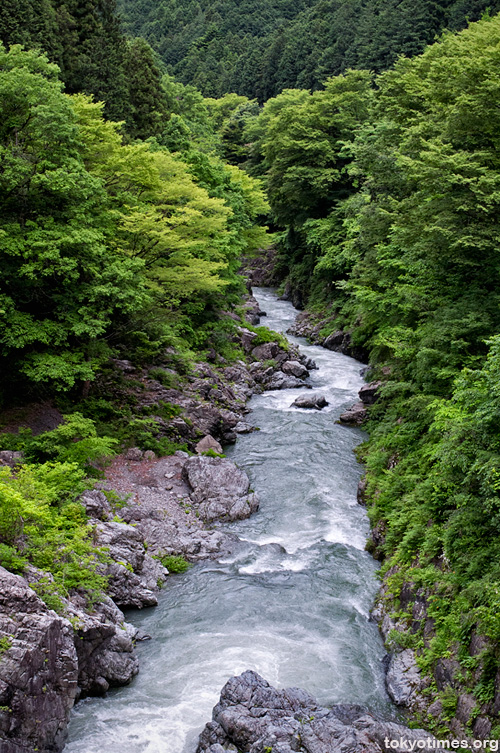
[(134, 577), (334, 341), (38, 671), (281, 381), (208, 443), (355, 415), (96, 504), (10, 458), (368, 394), (253, 717), (105, 647), (133, 453), (296, 369), (247, 338), (221, 491), (266, 351), (313, 400), (403, 679), (361, 491), (243, 428)]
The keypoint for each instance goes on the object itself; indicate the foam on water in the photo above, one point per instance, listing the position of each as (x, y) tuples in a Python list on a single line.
[(292, 602)]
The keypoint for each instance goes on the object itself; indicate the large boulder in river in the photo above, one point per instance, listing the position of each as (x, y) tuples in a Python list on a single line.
[(254, 717), (280, 381), (221, 490), (311, 401), (295, 368)]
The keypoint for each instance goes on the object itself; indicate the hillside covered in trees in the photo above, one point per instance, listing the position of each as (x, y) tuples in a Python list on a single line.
[(259, 48)]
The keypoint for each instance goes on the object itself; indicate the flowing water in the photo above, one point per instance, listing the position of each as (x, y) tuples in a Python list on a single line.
[(292, 603)]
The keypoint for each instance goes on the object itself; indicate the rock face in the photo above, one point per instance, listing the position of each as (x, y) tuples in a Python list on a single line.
[(105, 648), (38, 670), (221, 491), (253, 717), (313, 401), (134, 577), (403, 678)]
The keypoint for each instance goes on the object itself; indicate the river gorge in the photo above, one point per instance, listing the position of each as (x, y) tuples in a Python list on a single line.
[(292, 599)]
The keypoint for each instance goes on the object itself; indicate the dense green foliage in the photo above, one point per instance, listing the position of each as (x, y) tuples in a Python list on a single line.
[(85, 39), (260, 48), (388, 198), (105, 244), (41, 522)]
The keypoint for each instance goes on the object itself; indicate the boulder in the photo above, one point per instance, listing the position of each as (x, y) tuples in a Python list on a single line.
[(96, 504), (335, 341), (266, 351), (254, 717), (243, 428), (105, 647), (368, 394), (38, 670), (208, 443), (355, 415), (361, 491), (134, 576), (134, 453), (247, 338), (295, 368), (10, 458), (281, 381), (312, 400), (221, 490)]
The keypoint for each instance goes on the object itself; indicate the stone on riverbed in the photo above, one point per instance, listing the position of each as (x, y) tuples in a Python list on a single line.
[(295, 368), (313, 401), (282, 381), (355, 415), (221, 490), (254, 717)]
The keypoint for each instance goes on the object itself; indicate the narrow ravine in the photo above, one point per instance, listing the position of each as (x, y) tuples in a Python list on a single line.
[(292, 602)]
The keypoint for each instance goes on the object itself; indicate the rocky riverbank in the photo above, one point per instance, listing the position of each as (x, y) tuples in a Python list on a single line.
[(442, 697), (145, 511)]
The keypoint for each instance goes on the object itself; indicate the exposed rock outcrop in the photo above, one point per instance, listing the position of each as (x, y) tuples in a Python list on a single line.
[(221, 491), (253, 717), (135, 578), (38, 670)]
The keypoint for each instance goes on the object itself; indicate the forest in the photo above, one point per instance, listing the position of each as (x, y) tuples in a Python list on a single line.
[(361, 139), (260, 48)]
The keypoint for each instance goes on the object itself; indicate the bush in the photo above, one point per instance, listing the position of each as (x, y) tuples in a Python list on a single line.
[(174, 563)]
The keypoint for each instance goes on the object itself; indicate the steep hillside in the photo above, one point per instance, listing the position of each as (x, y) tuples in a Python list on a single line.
[(258, 49)]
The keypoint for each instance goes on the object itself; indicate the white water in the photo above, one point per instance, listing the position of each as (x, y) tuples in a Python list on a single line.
[(291, 603)]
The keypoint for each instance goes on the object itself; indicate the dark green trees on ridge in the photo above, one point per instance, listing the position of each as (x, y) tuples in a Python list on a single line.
[(259, 49)]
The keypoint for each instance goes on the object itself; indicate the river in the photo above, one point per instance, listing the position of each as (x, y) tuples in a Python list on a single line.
[(293, 602)]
